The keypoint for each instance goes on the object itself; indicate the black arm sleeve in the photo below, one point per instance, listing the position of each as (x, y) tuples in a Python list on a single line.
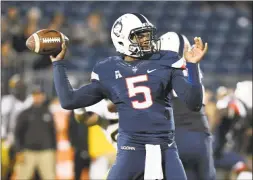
[(188, 90), (72, 99)]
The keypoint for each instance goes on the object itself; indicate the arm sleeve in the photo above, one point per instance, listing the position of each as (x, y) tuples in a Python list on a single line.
[(72, 99), (188, 90)]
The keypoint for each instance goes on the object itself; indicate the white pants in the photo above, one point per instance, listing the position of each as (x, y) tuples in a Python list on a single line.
[(99, 168)]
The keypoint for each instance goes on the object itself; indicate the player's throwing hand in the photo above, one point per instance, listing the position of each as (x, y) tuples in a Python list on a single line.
[(61, 55), (197, 52)]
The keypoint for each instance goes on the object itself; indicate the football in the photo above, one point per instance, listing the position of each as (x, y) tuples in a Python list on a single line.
[(46, 42)]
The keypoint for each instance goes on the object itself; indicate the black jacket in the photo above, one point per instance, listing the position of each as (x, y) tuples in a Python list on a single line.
[(35, 129)]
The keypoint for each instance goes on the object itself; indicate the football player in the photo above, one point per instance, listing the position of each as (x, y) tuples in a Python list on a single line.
[(235, 111), (193, 137), (194, 128), (138, 82), (99, 114)]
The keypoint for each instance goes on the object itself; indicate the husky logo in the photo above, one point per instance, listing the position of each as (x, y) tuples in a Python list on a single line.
[(117, 28), (145, 24)]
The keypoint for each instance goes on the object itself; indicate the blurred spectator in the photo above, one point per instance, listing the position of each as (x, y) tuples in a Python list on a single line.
[(60, 23), (93, 33), (57, 21), (64, 161), (78, 134), (243, 92), (36, 139), (221, 92), (4, 29), (235, 117), (32, 25), (9, 64), (210, 108), (13, 21), (11, 106), (9, 55), (33, 21)]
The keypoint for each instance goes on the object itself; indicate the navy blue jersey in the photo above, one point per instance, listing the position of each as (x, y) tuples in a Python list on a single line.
[(190, 120), (139, 89)]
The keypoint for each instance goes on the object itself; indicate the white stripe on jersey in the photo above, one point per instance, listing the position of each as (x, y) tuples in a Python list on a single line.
[(94, 76)]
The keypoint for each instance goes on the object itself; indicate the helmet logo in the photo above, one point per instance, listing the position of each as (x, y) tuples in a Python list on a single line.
[(145, 24), (117, 28)]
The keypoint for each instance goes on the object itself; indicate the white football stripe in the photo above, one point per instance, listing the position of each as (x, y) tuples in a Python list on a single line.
[(64, 38), (37, 42)]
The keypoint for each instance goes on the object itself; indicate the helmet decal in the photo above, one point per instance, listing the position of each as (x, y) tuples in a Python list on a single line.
[(117, 28)]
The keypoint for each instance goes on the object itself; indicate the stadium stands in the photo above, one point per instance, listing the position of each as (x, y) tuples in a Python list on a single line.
[(227, 29)]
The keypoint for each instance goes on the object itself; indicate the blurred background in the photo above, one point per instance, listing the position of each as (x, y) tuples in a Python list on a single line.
[(226, 26)]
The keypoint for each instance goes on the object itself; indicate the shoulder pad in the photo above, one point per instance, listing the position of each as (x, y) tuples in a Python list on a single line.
[(101, 65), (170, 59)]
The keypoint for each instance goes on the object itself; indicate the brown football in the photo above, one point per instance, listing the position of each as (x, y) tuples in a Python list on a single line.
[(46, 42)]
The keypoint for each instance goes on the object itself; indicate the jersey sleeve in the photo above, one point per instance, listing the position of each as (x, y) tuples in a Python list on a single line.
[(95, 73), (188, 89), (73, 99), (169, 59), (185, 73)]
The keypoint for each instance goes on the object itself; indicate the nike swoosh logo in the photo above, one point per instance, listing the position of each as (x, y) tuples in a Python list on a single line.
[(149, 71), (170, 144)]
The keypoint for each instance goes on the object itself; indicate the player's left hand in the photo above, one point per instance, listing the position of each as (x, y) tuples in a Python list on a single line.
[(197, 52)]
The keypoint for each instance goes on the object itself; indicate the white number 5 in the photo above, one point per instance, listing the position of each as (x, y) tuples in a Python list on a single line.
[(133, 90)]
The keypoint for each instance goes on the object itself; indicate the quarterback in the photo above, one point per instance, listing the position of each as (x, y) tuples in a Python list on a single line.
[(191, 126), (138, 82)]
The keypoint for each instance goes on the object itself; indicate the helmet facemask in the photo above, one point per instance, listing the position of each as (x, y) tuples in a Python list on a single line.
[(142, 41)]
